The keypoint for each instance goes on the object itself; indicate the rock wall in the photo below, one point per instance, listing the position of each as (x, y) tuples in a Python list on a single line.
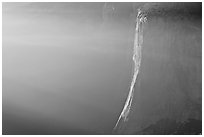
[(168, 92)]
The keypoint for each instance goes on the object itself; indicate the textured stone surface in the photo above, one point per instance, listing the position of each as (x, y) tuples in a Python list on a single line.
[(168, 93)]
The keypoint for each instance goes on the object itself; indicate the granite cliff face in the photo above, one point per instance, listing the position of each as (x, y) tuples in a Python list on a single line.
[(168, 92)]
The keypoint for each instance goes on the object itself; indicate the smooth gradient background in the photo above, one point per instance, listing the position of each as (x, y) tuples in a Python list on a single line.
[(66, 66)]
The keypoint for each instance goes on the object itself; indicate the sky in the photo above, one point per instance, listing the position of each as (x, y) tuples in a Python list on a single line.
[(66, 66)]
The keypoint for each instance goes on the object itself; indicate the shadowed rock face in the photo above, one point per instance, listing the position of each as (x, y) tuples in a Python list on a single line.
[(168, 92), (171, 127)]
